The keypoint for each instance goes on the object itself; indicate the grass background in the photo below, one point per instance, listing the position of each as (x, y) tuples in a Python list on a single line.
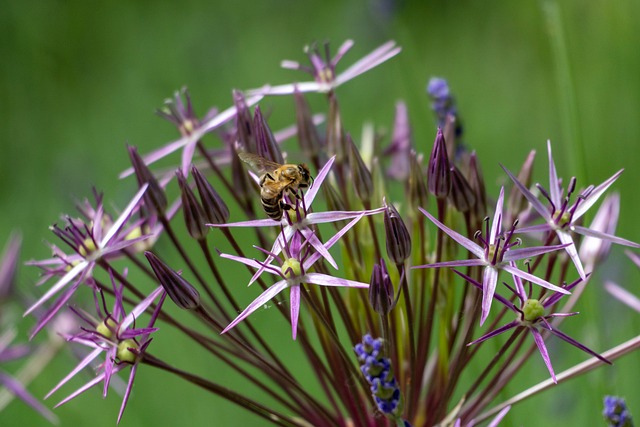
[(79, 80)]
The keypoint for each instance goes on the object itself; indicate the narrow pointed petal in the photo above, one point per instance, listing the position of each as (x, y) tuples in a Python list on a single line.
[(265, 297), (468, 244), (566, 238), (326, 280), (333, 216), (250, 262), (554, 184), (535, 279), (575, 343), (604, 236), (294, 301), (478, 285), (127, 391), (537, 204), (310, 195), (87, 386), (495, 332), (372, 60), (253, 223), (595, 195), (319, 246), (623, 295), (497, 218), (489, 281), (140, 308), (537, 337), (332, 241), (538, 228), (521, 253), (71, 274), (459, 263), (124, 216), (83, 363)]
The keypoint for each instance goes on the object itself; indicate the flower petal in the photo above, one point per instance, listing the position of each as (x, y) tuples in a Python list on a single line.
[(468, 244), (604, 236), (537, 337), (594, 196), (326, 280), (294, 301), (489, 281), (265, 297), (537, 204), (535, 279)]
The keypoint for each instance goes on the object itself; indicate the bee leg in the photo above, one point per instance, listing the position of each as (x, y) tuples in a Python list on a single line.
[(285, 206)]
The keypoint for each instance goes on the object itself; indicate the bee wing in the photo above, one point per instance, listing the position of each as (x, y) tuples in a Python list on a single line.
[(258, 164)]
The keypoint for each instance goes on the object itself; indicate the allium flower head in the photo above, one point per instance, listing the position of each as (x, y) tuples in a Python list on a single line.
[(531, 314), (562, 218), (294, 270), (323, 69), (112, 333), (91, 242), (495, 252)]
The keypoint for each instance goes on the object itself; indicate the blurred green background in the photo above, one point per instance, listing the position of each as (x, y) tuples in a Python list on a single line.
[(79, 80)]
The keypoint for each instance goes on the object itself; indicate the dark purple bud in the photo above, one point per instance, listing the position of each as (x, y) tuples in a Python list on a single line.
[(418, 192), (154, 197), (266, 145), (215, 209), (462, 195), (381, 293), (181, 292), (360, 173), (438, 177), (9, 266), (240, 179), (516, 202), (244, 125), (194, 217), (476, 181), (307, 131), (398, 238)]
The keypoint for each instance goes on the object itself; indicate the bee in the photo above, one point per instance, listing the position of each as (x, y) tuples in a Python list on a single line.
[(277, 181)]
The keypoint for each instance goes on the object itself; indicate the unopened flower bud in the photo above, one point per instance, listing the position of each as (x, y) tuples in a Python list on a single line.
[(181, 292), (244, 125), (398, 238), (215, 209), (438, 177), (154, 197), (266, 145), (381, 293), (194, 217), (462, 195)]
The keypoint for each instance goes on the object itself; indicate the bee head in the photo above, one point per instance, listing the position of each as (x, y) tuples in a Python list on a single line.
[(307, 179)]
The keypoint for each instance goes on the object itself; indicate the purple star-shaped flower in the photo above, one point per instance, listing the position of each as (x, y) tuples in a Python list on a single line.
[(560, 217), (300, 219), (531, 315), (91, 243), (294, 271), (324, 69), (495, 253), (111, 333)]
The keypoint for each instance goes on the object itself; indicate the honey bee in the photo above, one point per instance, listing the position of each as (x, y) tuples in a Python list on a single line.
[(277, 181)]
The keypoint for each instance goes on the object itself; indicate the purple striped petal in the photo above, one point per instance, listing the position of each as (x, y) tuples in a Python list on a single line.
[(468, 244)]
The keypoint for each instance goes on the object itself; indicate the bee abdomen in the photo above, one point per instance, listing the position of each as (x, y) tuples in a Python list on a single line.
[(272, 208)]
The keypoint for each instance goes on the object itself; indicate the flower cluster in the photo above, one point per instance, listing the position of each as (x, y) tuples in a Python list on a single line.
[(338, 256), (378, 372)]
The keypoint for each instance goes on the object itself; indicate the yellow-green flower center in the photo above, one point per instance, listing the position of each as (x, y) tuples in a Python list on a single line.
[(124, 354), (107, 328), (532, 310), (87, 247), (291, 268)]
